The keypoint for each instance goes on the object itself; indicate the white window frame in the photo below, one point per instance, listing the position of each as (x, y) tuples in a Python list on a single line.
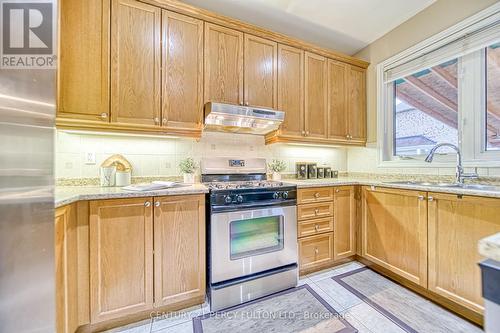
[(471, 121)]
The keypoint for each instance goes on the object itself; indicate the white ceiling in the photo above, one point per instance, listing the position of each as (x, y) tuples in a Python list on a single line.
[(343, 25)]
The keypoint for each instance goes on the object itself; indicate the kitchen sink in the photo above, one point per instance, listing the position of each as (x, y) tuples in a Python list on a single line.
[(450, 185)]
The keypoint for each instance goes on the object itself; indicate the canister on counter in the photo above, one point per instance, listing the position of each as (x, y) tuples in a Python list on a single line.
[(301, 170), (321, 172), (328, 172), (312, 171)]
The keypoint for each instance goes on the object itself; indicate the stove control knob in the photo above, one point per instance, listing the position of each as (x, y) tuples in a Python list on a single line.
[(276, 195), (227, 199), (239, 199), (285, 195)]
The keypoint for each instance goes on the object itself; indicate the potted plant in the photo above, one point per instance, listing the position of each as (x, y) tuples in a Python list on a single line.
[(277, 166), (188, 167)]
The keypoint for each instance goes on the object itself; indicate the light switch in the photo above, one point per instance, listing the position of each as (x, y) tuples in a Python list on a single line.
[(89, 158)]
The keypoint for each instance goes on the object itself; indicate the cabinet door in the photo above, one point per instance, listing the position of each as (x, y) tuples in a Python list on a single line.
[(121, 257), (83, 84), (223, 65), (357, 104), (316, 101), (455, 227), (179, 248), (344, 222), (261, 72), (394, 231), (135, 63), (291, 89), (66, 269), (337, 101), (182, 76), (315, 252)]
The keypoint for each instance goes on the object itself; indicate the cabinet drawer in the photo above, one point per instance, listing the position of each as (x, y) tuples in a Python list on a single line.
[(315, 251), (315, 210), (317, 194), (316, 226)]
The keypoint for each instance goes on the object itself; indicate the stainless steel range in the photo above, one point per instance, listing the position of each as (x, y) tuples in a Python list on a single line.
[(252, 232)]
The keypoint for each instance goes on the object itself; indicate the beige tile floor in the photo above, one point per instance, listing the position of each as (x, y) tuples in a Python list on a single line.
[(358, 313)]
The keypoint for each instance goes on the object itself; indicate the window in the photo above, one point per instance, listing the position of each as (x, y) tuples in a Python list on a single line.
[(445, 89), (425, 109), (492, 61)]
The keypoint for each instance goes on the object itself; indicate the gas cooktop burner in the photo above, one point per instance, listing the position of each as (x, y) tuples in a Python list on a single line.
[(233, 185)]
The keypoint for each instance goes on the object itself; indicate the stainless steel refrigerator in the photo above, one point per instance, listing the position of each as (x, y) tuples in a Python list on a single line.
[(27, 282)]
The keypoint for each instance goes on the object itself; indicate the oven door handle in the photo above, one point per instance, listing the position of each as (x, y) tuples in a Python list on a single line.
[(261, 205)]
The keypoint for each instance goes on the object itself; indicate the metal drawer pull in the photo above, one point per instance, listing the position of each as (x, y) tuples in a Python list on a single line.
[(316, 195), (316, 211), (316, 227), (316, 250), (147, 204), (421, 197), (431, 198), (157, 204)]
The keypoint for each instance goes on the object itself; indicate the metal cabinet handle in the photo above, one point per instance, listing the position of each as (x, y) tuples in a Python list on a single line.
[(316, 211), (421, 197), (157, 120), (316, 227), (337, 190), (303, 132), (430, 198), (316, 195), (104, 115), (316, 250), (307, 133), (147, 204), (247, 104), (241, 102), (157, 204), (164, 120)]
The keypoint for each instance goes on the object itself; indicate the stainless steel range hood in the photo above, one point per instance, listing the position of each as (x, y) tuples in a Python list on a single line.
[(241, 119)]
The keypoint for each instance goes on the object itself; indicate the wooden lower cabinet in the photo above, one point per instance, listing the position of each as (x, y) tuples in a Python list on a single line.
[(145, 254), (345, 224), (121, 258), (456, 224), (66, 269), (315, 251), (394, 231), (179, 250)]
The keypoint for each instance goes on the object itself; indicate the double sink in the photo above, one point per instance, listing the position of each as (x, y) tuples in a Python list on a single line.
[(447, 185)]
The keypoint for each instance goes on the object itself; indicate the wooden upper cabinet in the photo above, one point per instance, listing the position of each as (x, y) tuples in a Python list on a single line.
[(223, 65), (394, 231), (135, 63), (344, 226), (357, 104), (121, 257), (83, 84), (179, 246), (291, 89), (455, 227), (337, 100), (316, 85), (261, 72), (182, 76)]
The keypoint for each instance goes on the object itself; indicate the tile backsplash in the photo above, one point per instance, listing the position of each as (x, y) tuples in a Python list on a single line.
[(160, 156)]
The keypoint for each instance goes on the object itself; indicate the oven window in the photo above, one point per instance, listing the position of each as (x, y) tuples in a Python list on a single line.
[(256, 236)]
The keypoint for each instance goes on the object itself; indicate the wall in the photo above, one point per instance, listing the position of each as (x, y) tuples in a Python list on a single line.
[(432, 20), (435, 18), (158, 156)]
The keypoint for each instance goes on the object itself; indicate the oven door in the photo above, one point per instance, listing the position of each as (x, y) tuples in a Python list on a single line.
[(251, 241)]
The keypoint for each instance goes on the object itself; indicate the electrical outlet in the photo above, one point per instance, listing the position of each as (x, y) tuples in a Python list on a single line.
[(89, 158), (168, 165)]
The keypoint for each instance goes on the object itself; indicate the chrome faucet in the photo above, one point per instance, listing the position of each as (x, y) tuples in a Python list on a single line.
[(460, 175)]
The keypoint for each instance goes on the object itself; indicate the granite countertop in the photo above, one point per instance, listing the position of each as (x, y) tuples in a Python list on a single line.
[(384, 183), (65, 195), (489, 247)]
